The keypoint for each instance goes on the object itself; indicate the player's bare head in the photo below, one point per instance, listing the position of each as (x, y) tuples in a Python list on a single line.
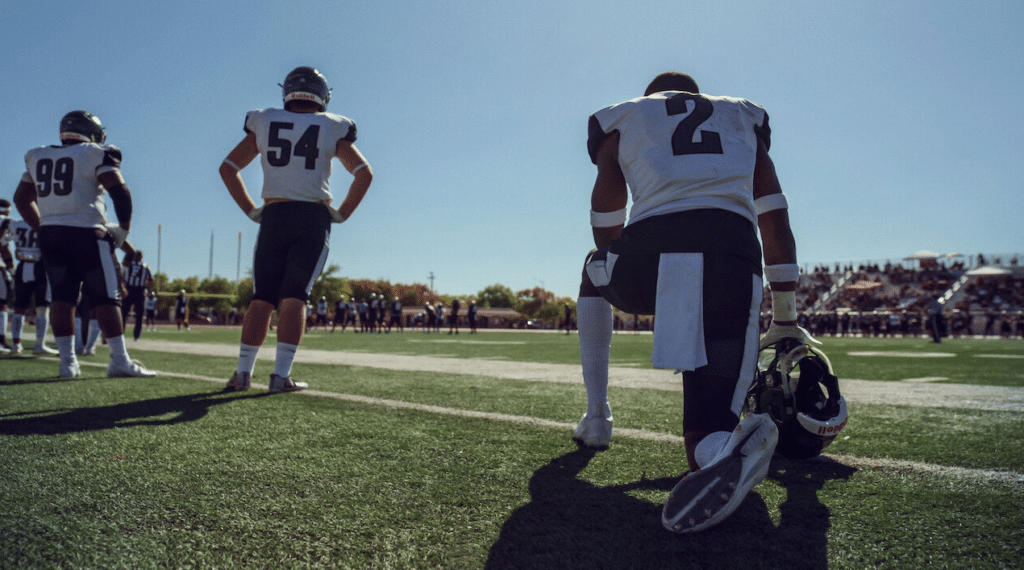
[(5, 207), (138, 255), (672, 81)]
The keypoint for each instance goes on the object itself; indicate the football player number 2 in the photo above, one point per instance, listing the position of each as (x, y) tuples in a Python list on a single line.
[(682, 139), (305, 147), (54, 176)]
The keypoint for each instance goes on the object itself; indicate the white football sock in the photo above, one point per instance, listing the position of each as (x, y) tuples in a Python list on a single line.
[(247, 358), (118, 351), (66, 348), (42, 321), (94, 334), (17, 325), (595, 321), (285, 357)]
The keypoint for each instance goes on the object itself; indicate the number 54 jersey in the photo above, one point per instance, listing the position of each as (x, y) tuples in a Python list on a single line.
[(684, 151), (68, 192), (296, 151)]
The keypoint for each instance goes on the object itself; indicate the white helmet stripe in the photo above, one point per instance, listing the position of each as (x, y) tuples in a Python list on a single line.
[(829, 427)]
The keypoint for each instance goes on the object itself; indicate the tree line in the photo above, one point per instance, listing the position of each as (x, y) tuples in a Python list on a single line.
[(221, 295)]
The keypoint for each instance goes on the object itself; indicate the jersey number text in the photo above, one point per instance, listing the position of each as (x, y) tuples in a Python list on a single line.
[(305, 147), (54, 177), (682, 138)]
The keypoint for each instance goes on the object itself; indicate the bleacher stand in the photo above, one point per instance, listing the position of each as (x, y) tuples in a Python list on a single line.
[(892, 299)]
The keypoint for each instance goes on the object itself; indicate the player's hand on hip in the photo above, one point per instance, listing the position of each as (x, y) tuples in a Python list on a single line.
[(336, 216), (118, 234), (256, 214)]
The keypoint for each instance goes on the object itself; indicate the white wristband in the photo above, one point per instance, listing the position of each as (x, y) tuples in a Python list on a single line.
[(358, 168), (784, 305), (607, 219), (231, 164), (782, 272), (771, 202)]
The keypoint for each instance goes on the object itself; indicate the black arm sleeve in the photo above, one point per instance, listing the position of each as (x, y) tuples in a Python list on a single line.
[(122, 199), (595, 136)]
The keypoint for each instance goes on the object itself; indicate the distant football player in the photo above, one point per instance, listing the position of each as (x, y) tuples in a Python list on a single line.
[(137, 279), (453, 318), (61, 196), (350, 319), (364, 310), (295, 146), (321, 313), (340, 314), (31, 288), (429, 318), (373, 311), (396, 315), (382, 310), (6, 262), (471, 316), (151, 311), (702, 183), (181, 310)]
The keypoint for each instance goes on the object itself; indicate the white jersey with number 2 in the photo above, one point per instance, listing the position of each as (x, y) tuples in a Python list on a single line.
[(685, 151)]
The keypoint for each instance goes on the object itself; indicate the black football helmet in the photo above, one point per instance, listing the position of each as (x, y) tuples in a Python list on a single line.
[(796, 387), (306, 84), (82, 126)]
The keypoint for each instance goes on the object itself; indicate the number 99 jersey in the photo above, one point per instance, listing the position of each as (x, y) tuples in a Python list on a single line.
[(684, 151), (296, 151), (68, 192)]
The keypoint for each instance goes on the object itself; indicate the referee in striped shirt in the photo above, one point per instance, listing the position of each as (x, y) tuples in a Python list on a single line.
[(137, 278)]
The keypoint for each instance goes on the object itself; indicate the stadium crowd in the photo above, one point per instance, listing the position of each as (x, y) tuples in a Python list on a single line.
[(897, 300)]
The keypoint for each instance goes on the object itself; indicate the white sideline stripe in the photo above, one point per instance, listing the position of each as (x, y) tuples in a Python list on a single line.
[(904, 354), (526, 420), (920, 394), (1012, 478)]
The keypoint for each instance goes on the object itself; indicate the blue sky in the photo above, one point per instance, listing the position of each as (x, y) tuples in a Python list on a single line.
[(897, 126)]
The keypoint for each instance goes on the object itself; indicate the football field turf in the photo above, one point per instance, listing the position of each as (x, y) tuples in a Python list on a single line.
[(426, 451)]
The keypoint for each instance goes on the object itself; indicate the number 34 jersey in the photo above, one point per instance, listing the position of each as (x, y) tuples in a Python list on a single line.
[(684, 151), (68, 192), (296, 151)]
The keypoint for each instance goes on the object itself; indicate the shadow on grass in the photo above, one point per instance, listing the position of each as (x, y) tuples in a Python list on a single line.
[(186, 408), (570, 523)]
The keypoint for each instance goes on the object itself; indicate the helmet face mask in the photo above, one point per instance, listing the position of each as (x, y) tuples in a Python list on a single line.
[(306, 84), (82, 126), (797, 388)]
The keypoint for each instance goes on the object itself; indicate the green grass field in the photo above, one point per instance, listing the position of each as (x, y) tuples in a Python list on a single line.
[(381, 468)]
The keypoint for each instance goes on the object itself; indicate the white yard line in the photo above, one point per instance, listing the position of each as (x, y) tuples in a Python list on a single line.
[(921, 394)]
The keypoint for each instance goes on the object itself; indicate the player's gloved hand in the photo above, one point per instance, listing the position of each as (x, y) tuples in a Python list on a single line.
[(336, 216), (777, 333), (118, 234), (256, 214)]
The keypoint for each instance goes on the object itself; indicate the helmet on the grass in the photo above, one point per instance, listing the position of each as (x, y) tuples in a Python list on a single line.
[(796, 386)]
